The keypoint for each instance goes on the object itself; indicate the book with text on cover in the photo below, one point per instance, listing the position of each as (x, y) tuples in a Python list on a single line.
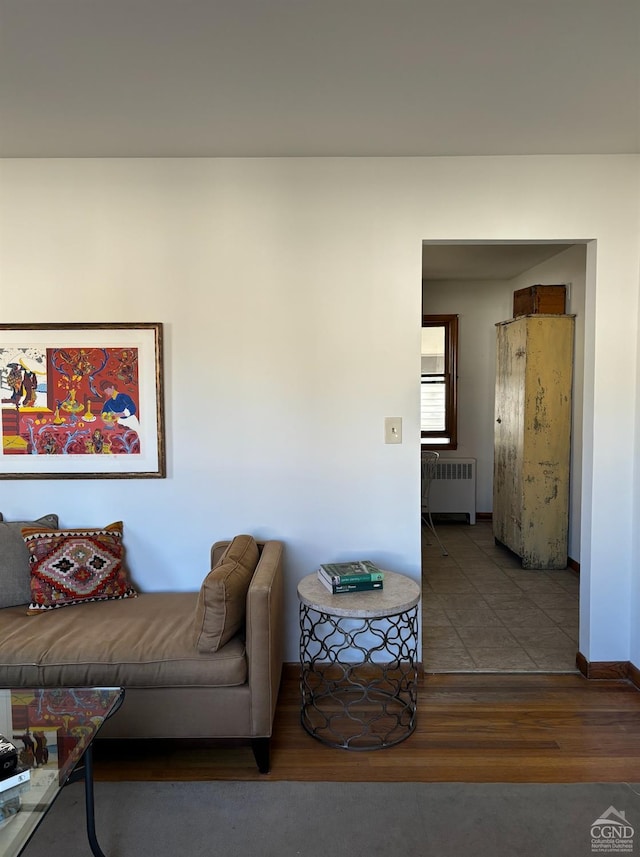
[(348, 586)]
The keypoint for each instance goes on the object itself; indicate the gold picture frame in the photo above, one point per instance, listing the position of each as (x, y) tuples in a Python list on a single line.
[(82, 401)]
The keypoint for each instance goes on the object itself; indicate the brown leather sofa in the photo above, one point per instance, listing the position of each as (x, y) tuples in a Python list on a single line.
[(146, 645)]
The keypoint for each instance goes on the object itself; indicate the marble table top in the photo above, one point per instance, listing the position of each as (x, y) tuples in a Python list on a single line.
[(399, 593)]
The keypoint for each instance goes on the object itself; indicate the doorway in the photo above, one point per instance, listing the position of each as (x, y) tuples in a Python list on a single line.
[(481, 610)]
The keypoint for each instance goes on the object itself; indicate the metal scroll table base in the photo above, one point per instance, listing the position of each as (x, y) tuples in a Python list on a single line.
[(359, 679)]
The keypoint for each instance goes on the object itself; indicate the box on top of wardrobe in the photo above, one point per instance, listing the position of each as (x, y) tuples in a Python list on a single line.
[(540, 299)]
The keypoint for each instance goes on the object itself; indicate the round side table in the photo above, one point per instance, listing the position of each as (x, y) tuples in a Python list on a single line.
[(358, 657)]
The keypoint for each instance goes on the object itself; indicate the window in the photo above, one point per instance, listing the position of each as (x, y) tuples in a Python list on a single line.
[(438, 398)]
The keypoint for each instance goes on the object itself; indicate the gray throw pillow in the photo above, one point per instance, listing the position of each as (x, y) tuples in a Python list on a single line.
[(15, 572)]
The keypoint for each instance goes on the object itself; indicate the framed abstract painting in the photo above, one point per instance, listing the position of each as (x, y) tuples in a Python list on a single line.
[(81, 401)]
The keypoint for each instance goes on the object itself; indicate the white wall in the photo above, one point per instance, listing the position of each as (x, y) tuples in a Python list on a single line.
[(479, 304), (635, 589), (291, 295)]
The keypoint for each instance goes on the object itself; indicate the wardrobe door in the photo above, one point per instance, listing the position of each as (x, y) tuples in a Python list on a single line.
[(547, 447), (534, 370)]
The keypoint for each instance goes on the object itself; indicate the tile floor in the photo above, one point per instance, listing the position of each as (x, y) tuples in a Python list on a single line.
[(482, 612)]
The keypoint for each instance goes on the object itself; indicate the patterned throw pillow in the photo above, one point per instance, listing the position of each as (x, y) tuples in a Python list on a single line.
[(74, 566)]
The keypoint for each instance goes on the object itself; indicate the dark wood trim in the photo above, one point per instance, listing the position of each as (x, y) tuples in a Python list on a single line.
[(484, 516), (291, 671), (634, 675), (450, 324), (603, 669), (582, 664), (574, 565), (609, 669)]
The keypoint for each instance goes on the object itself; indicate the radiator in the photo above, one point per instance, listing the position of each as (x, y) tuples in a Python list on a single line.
[(453, 488)]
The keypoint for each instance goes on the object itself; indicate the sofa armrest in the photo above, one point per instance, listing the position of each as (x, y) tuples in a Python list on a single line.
[(264, 636), (264, 632)]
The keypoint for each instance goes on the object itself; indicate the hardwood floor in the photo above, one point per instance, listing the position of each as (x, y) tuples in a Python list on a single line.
[(471, 728)]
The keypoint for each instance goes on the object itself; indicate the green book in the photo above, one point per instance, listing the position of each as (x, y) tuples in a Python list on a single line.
[(354, 586), (358, 571)]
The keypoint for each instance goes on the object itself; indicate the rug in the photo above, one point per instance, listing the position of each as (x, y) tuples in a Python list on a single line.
[(289, 819)]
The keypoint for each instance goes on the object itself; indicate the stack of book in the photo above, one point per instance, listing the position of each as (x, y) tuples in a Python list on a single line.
[(357, 576)]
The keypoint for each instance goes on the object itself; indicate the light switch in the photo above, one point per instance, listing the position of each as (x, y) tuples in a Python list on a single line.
[(393, 429)]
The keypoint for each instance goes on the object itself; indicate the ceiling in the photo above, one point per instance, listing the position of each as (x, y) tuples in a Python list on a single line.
[(298, 78), (491, 261)]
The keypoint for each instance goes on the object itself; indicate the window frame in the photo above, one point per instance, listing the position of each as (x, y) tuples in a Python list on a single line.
[(450, 324)]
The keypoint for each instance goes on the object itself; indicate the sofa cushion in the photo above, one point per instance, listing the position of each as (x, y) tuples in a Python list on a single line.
[(136, 642), (75, 566), (222, 600), (15, 575)]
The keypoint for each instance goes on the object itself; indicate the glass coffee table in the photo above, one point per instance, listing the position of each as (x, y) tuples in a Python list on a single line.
[(53, 730)]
